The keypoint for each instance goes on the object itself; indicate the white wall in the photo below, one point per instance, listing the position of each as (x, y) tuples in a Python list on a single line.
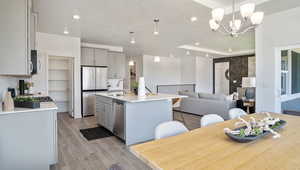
[(278, 30), (66, 46), (178, 70), (167, 71), (188, 69), (6, 82), (204, 75)]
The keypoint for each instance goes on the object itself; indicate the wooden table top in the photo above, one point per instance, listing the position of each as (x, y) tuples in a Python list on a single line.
[(210, 149)]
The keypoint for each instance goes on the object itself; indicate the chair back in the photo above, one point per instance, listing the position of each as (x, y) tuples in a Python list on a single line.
[(236, 112), (210, 119), (170, 128)]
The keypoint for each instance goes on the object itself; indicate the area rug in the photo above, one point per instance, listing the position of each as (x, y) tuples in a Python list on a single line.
[(95, 133)]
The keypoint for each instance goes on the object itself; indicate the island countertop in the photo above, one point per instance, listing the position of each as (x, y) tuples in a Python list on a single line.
[(134, 98)]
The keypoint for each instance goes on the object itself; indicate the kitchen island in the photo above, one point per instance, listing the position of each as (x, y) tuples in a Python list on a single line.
[(133, 118), (28, 138)]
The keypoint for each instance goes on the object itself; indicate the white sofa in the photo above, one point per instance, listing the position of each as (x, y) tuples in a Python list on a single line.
[(204, 103)]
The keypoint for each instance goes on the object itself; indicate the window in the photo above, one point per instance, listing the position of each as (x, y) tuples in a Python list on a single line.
[(290, 72)]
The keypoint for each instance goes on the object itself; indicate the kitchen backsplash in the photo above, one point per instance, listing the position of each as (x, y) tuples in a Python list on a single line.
[(6, 81)]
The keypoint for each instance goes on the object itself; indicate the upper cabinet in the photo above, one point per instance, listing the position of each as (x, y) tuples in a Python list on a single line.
[(16, 34), (100, 57), (87, 56), (93, 57), (116, 65)]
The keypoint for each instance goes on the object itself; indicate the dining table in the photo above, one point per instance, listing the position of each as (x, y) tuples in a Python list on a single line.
[(208, 148)]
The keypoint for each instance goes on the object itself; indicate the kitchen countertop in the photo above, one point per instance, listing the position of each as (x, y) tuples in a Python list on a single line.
[(134, 99), (44, 107)]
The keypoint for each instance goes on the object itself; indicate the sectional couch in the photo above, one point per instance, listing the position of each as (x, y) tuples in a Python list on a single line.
[(204, 103)]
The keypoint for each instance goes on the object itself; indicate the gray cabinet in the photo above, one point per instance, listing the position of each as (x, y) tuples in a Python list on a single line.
[(87, 56), (93, 57), (100, 57), (15, 37), (116, 65), (104, 110)]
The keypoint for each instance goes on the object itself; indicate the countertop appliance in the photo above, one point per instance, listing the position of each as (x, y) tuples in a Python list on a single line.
[(93, 80)]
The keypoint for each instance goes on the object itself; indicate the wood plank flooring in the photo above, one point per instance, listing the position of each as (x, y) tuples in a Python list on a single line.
[(76, 153)]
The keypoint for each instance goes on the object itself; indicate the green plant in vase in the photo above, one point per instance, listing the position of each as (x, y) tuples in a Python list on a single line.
[(135, 86)]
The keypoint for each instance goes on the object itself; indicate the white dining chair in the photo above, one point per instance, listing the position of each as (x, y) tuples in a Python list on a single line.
[(170, 128), (236, 112), (210, 119)]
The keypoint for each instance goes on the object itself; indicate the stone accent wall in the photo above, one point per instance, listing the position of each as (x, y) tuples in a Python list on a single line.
[(238, 68)]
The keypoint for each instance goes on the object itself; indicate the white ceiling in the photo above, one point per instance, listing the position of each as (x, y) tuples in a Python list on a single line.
[(110, 21)]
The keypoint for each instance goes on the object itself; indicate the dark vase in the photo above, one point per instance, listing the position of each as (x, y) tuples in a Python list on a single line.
[(135, 91)]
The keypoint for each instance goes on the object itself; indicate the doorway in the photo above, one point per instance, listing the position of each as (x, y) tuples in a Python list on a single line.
[(288, 80), (221, 78), (61, 82)]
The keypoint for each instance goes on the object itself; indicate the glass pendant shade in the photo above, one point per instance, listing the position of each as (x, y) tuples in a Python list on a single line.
[(236, 26), (218, 14), (213, 25), (257, 18), (132, 41), (247, 10)]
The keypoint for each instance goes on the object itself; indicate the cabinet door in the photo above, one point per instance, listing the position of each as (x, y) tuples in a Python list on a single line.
[(116, 68), (100, 113), (87, 56), (100, 57), (109, 116), (13, 41)]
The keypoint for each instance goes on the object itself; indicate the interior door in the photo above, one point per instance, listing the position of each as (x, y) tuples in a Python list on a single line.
[(222, 78)]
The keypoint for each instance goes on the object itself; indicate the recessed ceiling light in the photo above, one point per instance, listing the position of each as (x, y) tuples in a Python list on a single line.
[(207, 55), (66, 31), (193, 19), (188, 53), (197, 43), (76, 17), (230, 50)]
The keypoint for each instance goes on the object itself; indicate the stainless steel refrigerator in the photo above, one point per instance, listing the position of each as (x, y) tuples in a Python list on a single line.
[(93, 80)]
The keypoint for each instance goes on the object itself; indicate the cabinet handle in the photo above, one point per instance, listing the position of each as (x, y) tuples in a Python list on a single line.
[(31, 67), (40, 65)]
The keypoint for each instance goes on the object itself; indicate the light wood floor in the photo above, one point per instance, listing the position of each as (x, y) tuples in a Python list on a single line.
[(76, 153)]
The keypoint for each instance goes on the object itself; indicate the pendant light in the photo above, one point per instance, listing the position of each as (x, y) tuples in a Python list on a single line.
[(131, 62), (156, 28), (66, 30), (132, 39)]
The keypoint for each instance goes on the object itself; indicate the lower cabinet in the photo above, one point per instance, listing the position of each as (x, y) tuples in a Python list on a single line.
[(104, 111)]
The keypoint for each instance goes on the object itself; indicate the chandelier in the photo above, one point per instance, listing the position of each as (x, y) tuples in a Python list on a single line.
[(249, 21)]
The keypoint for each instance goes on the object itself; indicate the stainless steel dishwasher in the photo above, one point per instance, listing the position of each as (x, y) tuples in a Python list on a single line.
[(119, 122)]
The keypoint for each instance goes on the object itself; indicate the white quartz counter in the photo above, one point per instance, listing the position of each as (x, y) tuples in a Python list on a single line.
[(44, 106), (134, 99)]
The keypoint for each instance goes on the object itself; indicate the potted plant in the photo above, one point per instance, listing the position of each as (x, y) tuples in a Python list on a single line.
[(135, 86), (26, 102)]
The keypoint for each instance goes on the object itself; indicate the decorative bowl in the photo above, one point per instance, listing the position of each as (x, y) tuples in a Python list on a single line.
[(245, 139)]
